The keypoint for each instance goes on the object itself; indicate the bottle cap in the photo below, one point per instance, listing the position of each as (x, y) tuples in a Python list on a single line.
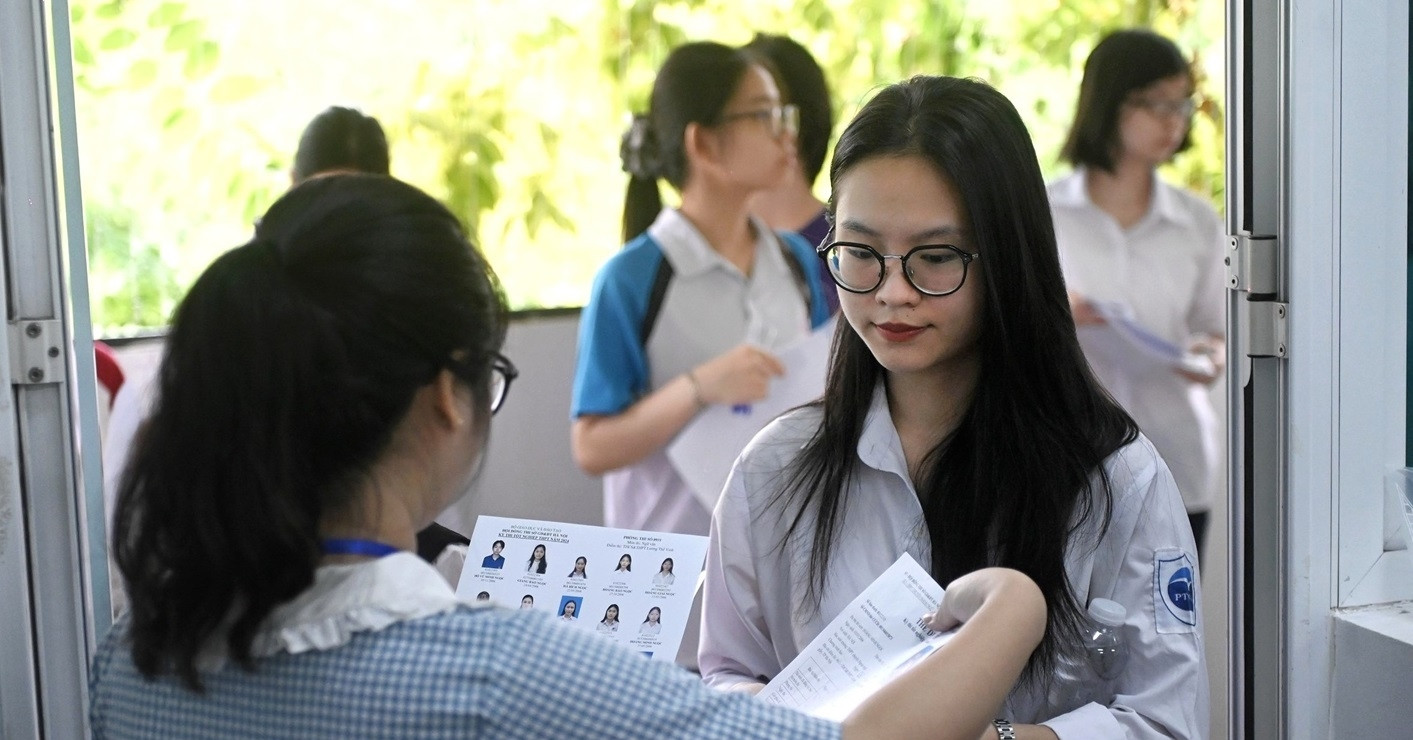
[(1105, 611)]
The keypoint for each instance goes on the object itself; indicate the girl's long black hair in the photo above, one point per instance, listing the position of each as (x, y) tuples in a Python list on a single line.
[(1012, 484), (289, 365)]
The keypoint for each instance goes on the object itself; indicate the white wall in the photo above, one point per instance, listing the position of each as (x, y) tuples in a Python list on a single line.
[(528, 469)]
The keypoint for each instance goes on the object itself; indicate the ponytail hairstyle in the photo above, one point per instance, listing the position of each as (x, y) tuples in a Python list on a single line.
[(288, 367), (693, 86), (341, 139), (1012, 484)]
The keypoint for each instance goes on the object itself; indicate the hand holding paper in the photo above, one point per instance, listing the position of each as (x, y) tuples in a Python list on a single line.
[(739, 375), (705, 449), (880, 634)]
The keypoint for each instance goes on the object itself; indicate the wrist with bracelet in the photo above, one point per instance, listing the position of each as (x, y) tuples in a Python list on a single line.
[(696, 390), (1004, 729)]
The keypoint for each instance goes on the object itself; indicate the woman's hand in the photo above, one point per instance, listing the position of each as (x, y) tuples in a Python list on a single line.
[(739, 375), (1084, 312), (1213, 348), (966, 595)]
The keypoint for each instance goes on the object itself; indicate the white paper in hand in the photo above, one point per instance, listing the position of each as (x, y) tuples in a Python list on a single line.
[(704, 451), (879, 635)]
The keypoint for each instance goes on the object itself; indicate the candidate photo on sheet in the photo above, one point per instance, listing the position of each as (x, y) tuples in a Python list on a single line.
[(569, 608), (495, 559)]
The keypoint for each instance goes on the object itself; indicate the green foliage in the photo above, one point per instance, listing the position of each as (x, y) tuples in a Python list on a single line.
[(508, 110)]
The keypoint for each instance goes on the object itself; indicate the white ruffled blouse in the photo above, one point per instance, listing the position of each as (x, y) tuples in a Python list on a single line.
[(346, 600)]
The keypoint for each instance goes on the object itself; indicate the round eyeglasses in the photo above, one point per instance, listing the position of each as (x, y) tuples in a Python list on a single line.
[(932, 269), (502, 372)]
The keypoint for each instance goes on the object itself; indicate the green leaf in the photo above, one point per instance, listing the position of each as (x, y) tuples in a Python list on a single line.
[(142, 73), (166, 14), (82, 56), (201, 60), (184, 35), (109, 10), (118, 38), (234, 89)]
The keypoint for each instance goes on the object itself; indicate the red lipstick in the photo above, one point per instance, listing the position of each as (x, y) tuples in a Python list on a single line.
[(898, 332)]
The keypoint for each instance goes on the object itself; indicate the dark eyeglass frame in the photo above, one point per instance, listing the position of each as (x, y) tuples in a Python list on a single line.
[(501, 367), (966, 257), (778, 119)]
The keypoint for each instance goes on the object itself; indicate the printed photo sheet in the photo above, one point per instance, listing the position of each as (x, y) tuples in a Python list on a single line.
[(631, 587)]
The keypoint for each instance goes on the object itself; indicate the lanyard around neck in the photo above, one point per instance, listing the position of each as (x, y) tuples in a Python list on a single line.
[(369, 548)]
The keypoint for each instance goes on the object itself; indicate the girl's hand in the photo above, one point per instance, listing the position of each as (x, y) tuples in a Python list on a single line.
[(1083, 311), (739, 375)]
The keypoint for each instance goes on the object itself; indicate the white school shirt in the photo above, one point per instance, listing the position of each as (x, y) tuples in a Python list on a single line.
[(1168, 268), (751, 628)]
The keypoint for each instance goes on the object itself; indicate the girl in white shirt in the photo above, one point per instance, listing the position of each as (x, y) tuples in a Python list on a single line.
[(609, 623), (960, 424), (536, 563), (652, 625), (580, 565), (1131, 241), (664, 576)]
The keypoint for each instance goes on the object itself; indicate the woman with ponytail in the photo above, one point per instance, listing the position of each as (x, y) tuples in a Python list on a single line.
[(327, 390), (689, 313)]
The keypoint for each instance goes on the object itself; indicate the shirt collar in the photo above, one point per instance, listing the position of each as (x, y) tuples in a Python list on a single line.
[(1071, 192), (345, 600), (689, 251), (879, 445)]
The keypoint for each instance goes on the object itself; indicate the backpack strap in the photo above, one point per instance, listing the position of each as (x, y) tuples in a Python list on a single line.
[(797, 270), (661, 278)]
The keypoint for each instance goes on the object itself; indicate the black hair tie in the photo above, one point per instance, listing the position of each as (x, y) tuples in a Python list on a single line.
[(639, 150)]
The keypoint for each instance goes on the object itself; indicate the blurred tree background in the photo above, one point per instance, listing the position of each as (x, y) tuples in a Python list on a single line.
[(508, 110)]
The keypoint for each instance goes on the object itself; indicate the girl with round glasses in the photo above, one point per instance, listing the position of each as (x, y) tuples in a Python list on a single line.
[(960, 425), (690, 312), (324, 394), (1146, 249)]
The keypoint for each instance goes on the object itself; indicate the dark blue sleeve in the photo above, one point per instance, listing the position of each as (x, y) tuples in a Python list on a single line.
[(611, 370)]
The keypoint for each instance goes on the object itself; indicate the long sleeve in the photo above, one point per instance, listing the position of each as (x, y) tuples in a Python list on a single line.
[(1146, 562), (736, 645)]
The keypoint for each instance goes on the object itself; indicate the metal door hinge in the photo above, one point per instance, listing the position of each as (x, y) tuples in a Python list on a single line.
[(1253, 268), (36, 351), (1252, 264)]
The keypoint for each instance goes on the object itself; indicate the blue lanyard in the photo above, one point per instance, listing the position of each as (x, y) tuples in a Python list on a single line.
[(371, 548)]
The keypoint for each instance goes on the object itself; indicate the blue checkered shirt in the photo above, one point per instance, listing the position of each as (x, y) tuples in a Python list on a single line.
[(485, 672)]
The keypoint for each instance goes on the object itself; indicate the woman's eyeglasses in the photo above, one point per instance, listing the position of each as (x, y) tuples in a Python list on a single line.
[(1180, 108), (932, 269), (780, 119), (502, 373)]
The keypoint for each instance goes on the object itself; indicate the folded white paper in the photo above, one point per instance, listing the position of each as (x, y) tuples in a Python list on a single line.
[(878, 636)]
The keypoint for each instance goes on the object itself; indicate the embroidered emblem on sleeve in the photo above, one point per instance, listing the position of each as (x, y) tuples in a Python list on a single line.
[(1174, 592)]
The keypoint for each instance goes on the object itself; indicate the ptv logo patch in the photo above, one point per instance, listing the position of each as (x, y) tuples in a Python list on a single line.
[(1174, 591)]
